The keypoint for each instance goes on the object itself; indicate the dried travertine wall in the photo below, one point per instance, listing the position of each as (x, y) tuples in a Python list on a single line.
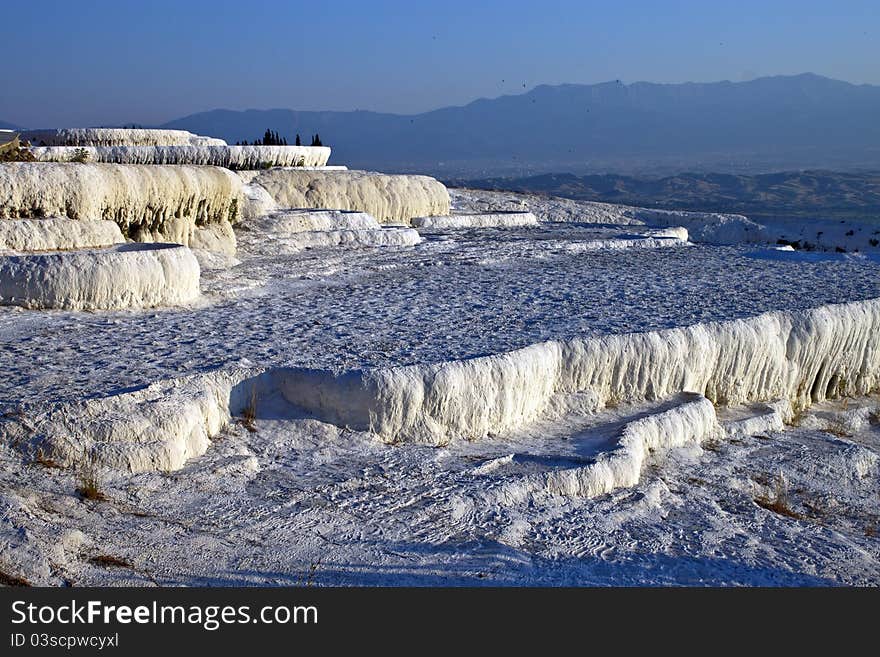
[(803, 357), (54, 234), (148, 203), (123, 276), (800, 357), (689, 422), (389, 198), (279, 244), (231, 157), (116, 137), (285, 222), (476, 220)]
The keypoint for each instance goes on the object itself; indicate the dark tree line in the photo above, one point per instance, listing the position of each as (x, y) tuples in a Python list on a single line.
[(272, 138)]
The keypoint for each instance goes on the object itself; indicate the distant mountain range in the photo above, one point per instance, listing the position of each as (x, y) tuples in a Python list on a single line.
[(774, 123), (801, 194), (7, 126), (643, 129)]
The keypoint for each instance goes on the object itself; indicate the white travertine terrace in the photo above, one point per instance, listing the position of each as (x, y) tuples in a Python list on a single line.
[(300, 221), (117, 137), (232, 157), (298, 241), (155, 428), (675, 232), (389, 198), (291, 231), (690, 422), (704, 227), (54, 234), (507, 219), (648, 241), (801, 357), (219, 238), (148, 203), (122, 276), (256, 201), (555, 380)]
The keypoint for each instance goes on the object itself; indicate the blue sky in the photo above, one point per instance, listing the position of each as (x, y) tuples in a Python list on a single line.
[(94, 62)]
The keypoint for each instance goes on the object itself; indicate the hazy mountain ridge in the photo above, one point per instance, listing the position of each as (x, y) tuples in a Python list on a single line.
[(777, 122)]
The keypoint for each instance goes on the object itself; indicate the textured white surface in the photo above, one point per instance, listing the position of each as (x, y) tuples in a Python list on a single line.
[(704, 227), (452, 297), (707, 227), (233, 157), (256, 201), (646, 241), (676, 232), (484, 220), (148, 203), (389, 198), (217, 238), (278, 244), (300, 221), (689, 422), (299, 499), (116, 137), (158, 427), (803, 357), (292, 231), (756, 419), (123, 276), (54, 234)]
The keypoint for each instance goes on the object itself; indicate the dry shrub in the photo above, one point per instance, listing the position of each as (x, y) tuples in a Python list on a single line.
[(779, 502)]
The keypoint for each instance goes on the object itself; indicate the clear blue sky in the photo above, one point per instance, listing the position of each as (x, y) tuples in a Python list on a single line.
[(92, 62)]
